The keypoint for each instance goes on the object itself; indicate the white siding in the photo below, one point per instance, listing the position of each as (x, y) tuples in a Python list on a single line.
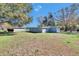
[(43, 30), (58, 29), (19, 30)]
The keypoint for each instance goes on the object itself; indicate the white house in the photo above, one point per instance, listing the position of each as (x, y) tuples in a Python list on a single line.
[(45, 29), (50, 29)]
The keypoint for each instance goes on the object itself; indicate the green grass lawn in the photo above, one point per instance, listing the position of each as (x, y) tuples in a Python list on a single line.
[(71, 40), (21, 38)]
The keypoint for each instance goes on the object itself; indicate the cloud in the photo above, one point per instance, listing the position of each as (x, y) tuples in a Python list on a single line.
[(38, 8)]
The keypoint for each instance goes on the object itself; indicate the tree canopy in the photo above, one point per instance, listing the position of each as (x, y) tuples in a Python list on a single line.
[(15, 13), (69, 17), (47, 20)]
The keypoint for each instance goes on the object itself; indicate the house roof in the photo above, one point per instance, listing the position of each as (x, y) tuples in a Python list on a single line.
[(49, 27), (3, 20)]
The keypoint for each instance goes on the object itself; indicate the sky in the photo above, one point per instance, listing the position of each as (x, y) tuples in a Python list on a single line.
[(42, 9)]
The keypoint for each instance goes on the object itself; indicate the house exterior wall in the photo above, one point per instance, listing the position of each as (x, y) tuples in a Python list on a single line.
[(35, 30), (44, 30), (51, 30), (19, 30), (38, 30), (58, 29)]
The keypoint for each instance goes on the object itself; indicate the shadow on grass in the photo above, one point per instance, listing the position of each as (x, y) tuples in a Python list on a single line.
[(6, 33), (33, 32), (71, 33)]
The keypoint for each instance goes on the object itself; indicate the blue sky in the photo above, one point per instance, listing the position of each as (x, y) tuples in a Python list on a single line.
[(42, 9)]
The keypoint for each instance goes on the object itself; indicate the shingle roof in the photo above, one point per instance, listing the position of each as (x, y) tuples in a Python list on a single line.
[(3, 20)]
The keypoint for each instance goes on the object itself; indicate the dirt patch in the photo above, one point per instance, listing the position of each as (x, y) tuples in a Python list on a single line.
[(38, 46), (77, 42)]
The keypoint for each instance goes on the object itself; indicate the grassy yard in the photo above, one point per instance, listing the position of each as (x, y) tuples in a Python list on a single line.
[(23, 43), (72, 41)]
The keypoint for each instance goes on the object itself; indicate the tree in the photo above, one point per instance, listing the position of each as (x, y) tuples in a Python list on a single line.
[(15, 14), (51, 20), (68, 17), (43, 21), (47, 20)]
